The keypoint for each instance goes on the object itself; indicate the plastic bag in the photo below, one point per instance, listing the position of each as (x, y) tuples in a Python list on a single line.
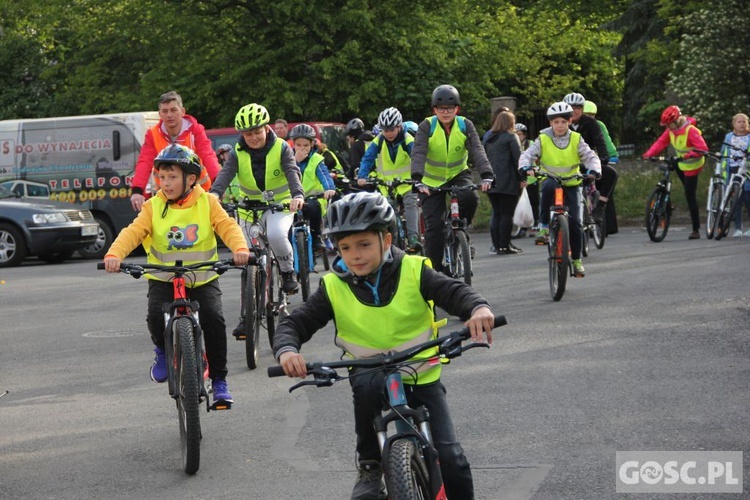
[(523, 216)]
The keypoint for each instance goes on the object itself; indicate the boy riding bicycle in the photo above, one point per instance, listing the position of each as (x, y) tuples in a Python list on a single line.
[(560, 151), (180, 223), (382, 299)]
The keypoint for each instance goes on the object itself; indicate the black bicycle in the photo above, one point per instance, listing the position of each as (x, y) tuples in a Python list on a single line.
[(303, 249), (409, 457), (187, 365), (659, 205), (262, 296), (593, 229), (400, 238)]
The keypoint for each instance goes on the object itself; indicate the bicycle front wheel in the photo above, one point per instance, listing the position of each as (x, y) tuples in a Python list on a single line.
[(406, 474), (559, 256), (462, 257), (658, 215), (188, 396), (599, 232), (727, 213), (252, 316), (713, 206), (269, 297), (304, 270)]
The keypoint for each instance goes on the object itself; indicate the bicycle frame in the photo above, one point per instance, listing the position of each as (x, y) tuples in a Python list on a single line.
[(407, 422), (399, 239), (731, 194), (659, 204)]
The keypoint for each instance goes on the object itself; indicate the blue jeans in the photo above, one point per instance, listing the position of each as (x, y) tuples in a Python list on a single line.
[(573, 202), (368, 392)]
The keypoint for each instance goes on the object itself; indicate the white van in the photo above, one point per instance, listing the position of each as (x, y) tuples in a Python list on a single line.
[(85, 160)]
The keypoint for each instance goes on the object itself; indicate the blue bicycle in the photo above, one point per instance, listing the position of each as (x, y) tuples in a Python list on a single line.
[(303, 249)]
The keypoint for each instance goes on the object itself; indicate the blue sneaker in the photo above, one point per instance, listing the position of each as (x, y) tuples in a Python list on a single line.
[(159, 368), (221, 391)]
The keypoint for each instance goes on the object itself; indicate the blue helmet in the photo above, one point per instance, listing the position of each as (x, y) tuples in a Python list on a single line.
[(411, 127)]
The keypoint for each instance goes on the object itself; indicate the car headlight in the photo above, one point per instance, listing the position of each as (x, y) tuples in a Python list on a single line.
[(49, 217)]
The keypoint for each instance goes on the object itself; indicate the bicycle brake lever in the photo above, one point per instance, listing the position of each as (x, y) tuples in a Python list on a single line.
[(475, 344), (317, 382)]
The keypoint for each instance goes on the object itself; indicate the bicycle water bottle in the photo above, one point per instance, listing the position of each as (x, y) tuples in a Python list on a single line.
[(454, 209)]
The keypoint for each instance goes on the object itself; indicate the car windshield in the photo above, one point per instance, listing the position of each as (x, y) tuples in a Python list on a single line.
[(7, 193)]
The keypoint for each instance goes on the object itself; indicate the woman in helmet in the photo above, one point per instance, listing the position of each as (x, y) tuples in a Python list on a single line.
[(560, 151), (381, 300), (181, 207), (444, 144), (687, 141), (265, 167), (315, 178), (389, 157)]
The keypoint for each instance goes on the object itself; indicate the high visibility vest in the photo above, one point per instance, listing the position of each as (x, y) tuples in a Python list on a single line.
[(161, 142), (184, 234), (561, 162), (679, 143), (365, 330), (310, 182), (446, 155), (275, 178), (389, 169)]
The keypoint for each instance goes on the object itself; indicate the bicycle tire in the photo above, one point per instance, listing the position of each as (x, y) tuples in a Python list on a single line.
[(599, 233), (714, 205), (658, 215), (727, 212), (304, 269), (586, 224), (559, 256), (250, 313), (462, 257), (188, 395), (269, 294), (407, 477), (326, 260)]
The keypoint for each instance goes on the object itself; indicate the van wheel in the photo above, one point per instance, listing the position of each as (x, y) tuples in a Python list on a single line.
[(104, 239), (12, 246)]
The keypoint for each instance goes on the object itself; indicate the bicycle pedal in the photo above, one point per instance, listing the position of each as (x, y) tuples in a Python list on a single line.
[(540, 243), (220, 405), (239, 336)]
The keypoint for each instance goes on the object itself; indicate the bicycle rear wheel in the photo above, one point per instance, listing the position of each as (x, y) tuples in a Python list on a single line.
[(715, 194), (188, 395), (727, 213), (599, 233), (251, 315), (406, 474), (304, 269), (462, 257), (559, 256), (658, 215), (269, 295)]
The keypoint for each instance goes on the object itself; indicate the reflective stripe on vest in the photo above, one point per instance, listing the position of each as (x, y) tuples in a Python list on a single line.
[(161, 142), (388, 169), (679, 143), (275, 178), (364, 330), (446, 155), (184, 234), (562, 162)]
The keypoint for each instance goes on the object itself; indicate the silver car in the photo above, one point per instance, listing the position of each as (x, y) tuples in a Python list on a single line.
[(51, 230)]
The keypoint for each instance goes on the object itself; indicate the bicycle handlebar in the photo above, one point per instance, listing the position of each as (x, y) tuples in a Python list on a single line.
[(254, 205), (138, 270), (449, 347), (454, 189)]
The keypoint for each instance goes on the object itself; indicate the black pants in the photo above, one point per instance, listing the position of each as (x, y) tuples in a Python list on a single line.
[(433, 209), (210, 315), (313, 212), (501, 219), (606, 184), (573, 202), (533, 191), (368, 392), (690, 183)]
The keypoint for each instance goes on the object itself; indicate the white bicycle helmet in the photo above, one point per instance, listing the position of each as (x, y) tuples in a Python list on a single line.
[(559, 110), (575, 99), (390, 118)]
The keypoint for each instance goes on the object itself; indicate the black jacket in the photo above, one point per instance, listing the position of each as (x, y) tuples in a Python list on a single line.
[(453, 296), (503, 151), (592, 134)]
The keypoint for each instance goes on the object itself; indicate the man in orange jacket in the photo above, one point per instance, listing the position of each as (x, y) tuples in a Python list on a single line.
[(175, 127)]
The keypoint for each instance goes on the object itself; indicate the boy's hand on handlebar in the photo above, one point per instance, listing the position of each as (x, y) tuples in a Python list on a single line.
[(481, 320), (293, 364), (361, 182), (329, 193), (296, 204), (422, 188), (486, 184), (112, 264), (241, 256)]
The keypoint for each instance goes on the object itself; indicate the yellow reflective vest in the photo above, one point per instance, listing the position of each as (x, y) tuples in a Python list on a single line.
[(447, 155), (365, 330), (310, 182), (561, 162), (389, 169), (679, 143), (275, 179)]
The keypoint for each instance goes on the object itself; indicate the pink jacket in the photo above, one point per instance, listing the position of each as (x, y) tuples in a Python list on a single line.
[(193, 135), (694, 140)]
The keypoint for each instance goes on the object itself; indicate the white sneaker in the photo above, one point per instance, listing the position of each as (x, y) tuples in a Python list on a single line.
[(738, 233)]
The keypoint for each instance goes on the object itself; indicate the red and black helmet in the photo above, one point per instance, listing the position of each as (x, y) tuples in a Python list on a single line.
[(670, 115)]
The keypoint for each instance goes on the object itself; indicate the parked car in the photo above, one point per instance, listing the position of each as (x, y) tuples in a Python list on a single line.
[(51, 230), (28, 189)]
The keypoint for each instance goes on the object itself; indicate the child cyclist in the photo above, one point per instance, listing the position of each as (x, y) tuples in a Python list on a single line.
[(390, 156), (315, 178), (374, 283), (560, 151), (182, 207), (264, 163)]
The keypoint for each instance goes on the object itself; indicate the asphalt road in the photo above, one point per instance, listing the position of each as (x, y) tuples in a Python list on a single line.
[(648, 352)]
